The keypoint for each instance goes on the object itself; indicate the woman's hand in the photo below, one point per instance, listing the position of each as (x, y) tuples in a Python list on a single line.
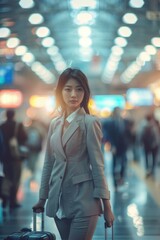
[(108, 215), (39, 206)]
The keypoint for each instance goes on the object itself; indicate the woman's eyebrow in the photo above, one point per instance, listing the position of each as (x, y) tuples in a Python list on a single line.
[(67, 85)]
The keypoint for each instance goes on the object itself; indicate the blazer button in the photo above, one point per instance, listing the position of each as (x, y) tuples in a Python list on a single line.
[(60, 177)]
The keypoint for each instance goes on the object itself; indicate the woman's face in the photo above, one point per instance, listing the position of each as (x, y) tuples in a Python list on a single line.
[(72, 94)]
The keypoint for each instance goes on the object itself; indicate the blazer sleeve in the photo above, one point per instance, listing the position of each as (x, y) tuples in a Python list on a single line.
[(94, 140), (47, 166)]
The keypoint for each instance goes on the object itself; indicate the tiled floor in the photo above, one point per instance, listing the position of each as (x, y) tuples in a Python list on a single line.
[(136, 206)]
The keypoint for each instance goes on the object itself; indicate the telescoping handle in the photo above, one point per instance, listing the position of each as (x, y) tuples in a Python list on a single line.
[(105, 229), (35, 215)]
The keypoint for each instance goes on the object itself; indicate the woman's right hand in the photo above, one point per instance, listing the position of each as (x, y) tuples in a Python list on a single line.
[(39, 206)]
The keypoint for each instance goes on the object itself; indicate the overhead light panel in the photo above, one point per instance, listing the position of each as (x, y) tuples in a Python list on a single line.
[(20, 50), (136, 3), (26, 3), (130, 18), (13, 42), (4, 32), (36, 18), (84, 31), (120, 41), (43, 72), (85, 42), (48, 42), (28, 57), (116, 50), (124, 31), (150, 49), (144, 56), (85, 17), (156, 41), (76, 4), (52, 51), (42, 32)]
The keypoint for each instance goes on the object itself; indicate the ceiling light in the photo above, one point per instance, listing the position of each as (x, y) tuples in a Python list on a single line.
[(150, 49), (20, 50), (42, 32), (35, 18), (26, 3), (124, 31), (84, 31), (13, 42), (60, 66), (48, 42), (136, 3), (85, 17), (121, 42), (130, 18), (116, 50), (76, 4), (43, 72), (52, 50), (156, 41), (144, 56), (4, 32), (85, 42), (86, 53), (28, 57)]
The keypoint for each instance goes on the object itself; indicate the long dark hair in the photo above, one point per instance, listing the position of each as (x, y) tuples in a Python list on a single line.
[(83, 81)]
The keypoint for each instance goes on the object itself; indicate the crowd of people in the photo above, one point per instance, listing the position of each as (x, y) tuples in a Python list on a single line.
[(16, 146), (124, 135)]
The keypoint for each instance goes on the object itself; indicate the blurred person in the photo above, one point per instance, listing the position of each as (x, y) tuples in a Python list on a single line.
[(2, 153), (34, 142), (117, 134), (73, 180), (150, 138), (12, 164)]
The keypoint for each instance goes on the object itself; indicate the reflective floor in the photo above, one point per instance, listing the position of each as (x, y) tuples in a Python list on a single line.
[(136, 205)]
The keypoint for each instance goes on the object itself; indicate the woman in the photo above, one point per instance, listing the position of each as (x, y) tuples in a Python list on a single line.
[(73, 178)]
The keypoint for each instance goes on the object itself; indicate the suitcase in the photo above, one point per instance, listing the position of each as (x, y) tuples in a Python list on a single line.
[(105, 228), (28, 234)]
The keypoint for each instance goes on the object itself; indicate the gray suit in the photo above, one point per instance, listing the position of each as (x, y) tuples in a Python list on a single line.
[(74, 165)]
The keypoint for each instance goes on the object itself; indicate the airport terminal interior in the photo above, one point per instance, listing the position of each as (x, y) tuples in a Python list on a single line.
[(116, 43)]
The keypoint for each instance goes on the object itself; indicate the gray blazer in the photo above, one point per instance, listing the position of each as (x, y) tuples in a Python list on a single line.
[(74, 166)]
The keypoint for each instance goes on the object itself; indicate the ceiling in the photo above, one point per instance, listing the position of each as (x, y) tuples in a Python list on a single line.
[(60, 17)]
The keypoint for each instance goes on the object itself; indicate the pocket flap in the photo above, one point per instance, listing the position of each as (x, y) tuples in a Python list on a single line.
[(81, 178)]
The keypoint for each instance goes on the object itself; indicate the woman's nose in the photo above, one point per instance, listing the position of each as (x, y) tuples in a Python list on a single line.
[(73, 93)]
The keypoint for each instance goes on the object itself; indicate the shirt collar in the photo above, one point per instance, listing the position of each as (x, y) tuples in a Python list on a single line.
[(72, 116)]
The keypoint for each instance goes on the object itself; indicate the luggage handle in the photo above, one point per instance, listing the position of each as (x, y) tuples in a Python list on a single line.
[(35, 212), (105, 228)]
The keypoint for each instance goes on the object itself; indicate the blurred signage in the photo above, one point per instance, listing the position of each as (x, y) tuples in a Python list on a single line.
[(139, 96), (108, 101), (10, 98), (153, 15), (6, 74), (38, 101), (5, 51)]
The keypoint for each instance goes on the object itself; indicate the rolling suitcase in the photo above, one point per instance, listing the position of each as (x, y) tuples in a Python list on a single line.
[(28, 234), (105, 228)]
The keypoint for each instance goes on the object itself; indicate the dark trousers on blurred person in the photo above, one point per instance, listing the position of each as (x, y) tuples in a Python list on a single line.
[(150, 159), (119, 167), (13, 171)]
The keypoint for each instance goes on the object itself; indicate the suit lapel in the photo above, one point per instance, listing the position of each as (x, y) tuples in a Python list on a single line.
[(69, 132), (73, 126), (59, 136)]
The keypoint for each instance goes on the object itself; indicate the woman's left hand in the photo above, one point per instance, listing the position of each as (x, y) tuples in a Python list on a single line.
[(109, 218), (108, 215)]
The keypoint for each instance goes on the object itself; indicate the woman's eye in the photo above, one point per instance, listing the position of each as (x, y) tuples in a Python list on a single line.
[(80, 89), (67, 89)]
